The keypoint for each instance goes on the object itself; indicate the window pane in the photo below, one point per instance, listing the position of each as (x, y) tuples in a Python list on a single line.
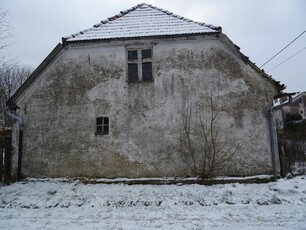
[(105, 129), (147, 71), (99, 130), (132, 72), (132, 55), (99, 120), (146, 54), (105, 120)]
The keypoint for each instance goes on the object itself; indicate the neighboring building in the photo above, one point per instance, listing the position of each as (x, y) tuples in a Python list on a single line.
[(297, 106), (109, 101)]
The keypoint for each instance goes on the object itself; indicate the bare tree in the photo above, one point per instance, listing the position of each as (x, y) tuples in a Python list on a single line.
[(4, 29), (12, 75), (11, 78), (5, 40), (207, 152)]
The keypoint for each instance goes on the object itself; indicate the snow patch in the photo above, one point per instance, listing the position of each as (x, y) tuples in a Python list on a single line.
[(66, 204)]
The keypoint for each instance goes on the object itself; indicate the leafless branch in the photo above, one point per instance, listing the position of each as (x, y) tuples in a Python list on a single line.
[(213, 151)]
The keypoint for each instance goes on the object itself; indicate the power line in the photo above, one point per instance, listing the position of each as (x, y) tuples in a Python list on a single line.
[(287, 59), (283, 49)]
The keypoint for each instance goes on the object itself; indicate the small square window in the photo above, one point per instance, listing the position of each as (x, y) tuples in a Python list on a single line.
[(102, 126)]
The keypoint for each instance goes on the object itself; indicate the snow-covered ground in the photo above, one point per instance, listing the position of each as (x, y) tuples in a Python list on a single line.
[(54, 204)]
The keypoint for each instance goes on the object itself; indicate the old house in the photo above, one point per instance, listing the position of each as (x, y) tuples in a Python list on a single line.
[(109, 101), (296, 107)]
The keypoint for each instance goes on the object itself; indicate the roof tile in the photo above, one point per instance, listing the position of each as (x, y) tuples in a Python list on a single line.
[(142, 20)]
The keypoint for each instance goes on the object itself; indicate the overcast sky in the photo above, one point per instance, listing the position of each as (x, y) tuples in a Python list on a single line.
[(260, 28)]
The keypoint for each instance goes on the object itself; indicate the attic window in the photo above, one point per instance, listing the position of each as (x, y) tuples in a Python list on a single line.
[(102, 126), (139, 65)]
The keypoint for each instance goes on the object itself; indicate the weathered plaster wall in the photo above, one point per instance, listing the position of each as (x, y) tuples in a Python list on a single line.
[(298, 106), (88, 81)]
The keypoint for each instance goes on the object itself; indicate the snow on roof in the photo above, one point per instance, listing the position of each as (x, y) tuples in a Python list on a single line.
[(143, 20), (298, 95)]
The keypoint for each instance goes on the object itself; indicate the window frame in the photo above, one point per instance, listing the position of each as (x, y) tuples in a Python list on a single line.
[(105, 126), (139, 61)]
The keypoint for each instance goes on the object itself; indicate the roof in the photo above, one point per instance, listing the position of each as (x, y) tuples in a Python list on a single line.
[(299, 95), (143, 20)]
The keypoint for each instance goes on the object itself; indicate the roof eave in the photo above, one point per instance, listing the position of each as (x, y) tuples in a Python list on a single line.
[(12, 101), (277, 85)]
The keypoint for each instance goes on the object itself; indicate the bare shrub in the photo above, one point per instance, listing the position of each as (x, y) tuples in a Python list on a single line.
[(208, 152)]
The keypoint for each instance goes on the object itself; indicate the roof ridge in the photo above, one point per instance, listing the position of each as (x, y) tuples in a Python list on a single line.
[(219, 28), (121, 13), (116, 16)]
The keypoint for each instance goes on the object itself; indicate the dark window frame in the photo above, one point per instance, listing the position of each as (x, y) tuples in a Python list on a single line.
[(102, 125), (140, 66)]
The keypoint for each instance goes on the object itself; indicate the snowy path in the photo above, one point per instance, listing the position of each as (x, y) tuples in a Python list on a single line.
[(72, 205)]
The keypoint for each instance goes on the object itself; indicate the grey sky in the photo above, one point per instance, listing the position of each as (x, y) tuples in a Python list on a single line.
[(259, 27)]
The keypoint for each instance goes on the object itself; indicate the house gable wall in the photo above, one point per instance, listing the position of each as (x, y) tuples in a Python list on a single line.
[(89, 80)]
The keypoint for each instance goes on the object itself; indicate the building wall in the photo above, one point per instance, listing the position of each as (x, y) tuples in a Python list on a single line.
[(297, 106), (89, 80)]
